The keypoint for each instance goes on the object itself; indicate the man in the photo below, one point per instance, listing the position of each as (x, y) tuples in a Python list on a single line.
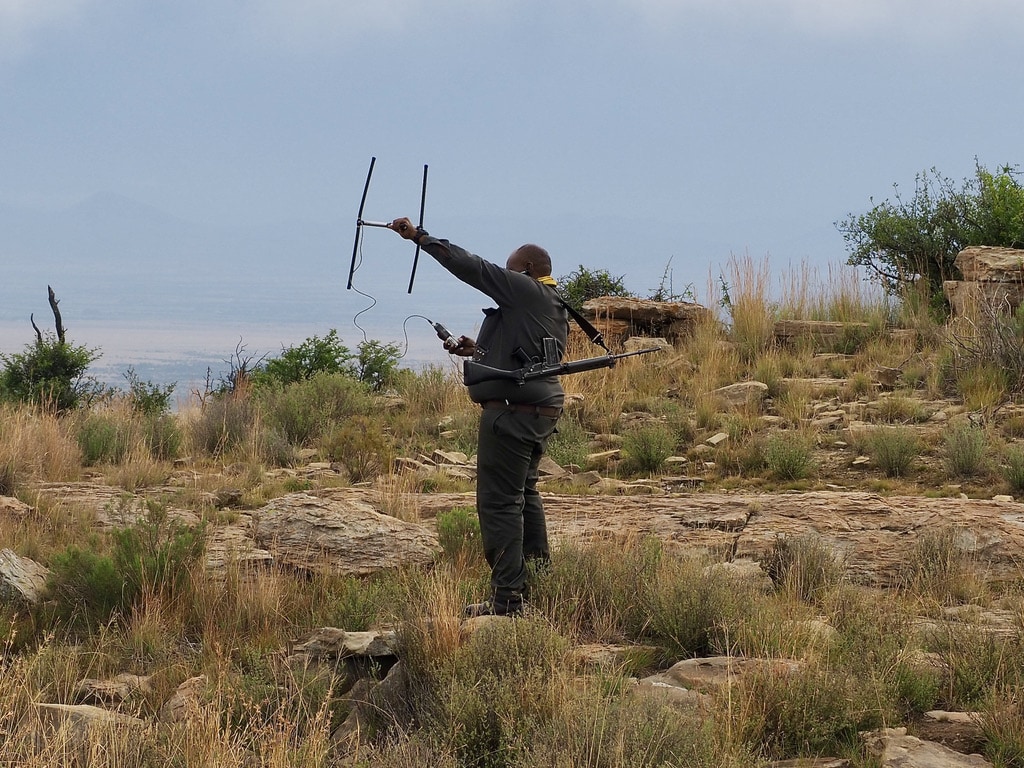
[(517, 420)]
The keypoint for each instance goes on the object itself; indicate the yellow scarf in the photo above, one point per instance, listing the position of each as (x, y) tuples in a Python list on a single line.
[(547, 280)]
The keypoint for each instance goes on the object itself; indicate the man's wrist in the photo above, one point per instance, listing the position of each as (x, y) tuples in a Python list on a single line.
[(420, 234)]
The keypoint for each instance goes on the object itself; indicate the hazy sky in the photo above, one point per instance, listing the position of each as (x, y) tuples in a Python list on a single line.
[(618, 133)]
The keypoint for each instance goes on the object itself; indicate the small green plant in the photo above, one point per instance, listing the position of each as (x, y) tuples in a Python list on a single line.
[(146, 397), (360, 445), (85, 587), (789, 456), (900, 409), (646, 447), (964, 447), (458, 532), (569, 445), (893, 449), (103, 439), (939, 567), (1013, 469)]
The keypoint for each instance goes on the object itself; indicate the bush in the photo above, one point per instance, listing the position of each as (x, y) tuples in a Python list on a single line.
[(224, 422), (458, 532), (963, 448), (304, 411), (1013, 469), (146, 397), (85, 587), (893, 449), (49, 373), (584, 284), (803, 567), (311, 357), (103, 439), (646, 447), (788, 456), (360, 445)]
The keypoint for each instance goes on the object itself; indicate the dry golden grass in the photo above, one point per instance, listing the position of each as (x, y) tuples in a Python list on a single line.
[(35, 446)]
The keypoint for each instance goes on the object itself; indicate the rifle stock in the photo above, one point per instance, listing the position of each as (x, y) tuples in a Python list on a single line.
[(475, 373)]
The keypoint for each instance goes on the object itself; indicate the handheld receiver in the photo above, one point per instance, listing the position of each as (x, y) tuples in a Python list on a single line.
[(447, 340)]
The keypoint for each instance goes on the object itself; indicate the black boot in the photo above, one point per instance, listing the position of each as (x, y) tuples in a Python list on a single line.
[(494, 607)]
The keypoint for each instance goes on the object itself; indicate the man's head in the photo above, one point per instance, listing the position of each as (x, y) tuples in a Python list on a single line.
[(531, 259)]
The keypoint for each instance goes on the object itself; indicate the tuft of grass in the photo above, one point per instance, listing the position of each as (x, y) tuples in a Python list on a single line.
[(940, 568), (645, 448), (1013, 469), (893, 449), (789, 456), (803, 568), (964, 447)]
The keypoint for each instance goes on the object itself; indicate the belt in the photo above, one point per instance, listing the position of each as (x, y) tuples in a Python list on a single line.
[(551, 411)]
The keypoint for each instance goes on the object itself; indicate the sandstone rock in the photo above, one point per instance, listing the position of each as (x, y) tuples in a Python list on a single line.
[(602, 459), (715, 672), (340, 535), (22, 581), (550, 468), (388, 695), (637, 343), (811, 762), (333, 643), (645, 313), (741, 394), (112, 691), (79, 719), (717, 439), (440, 457), (982, 300), (896, 749), (186, 701), (991, 264), (14, 508), (233, 546), (667, 690)]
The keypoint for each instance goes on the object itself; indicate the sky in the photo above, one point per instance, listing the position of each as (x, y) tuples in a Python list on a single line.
[(645, 137)]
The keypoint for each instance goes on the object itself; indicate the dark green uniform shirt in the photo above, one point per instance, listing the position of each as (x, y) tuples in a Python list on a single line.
[(528, 312)]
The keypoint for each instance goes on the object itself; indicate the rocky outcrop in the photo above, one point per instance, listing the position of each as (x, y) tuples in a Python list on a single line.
[(993, 282), (339, 534), (620, 317), (894, 748)]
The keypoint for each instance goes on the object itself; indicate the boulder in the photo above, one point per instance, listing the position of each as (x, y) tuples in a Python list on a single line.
[(741, 394), (14, 508), (334, 643), (77, 720), (340, 535), (895, 749), (984, 263), (22, 581)]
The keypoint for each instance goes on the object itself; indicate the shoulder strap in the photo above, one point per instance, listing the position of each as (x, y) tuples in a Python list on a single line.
[(587, 327)]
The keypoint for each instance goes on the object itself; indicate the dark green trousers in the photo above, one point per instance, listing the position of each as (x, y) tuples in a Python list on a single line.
[(512, 523)]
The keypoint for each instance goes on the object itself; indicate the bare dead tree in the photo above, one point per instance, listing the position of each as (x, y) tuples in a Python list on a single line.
[(57, 321)]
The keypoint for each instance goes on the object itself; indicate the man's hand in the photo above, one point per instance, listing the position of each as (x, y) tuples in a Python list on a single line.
[(465, 348), (404, 227)]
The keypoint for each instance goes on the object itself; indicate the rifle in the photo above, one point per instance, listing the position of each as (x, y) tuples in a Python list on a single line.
[(474, 373)]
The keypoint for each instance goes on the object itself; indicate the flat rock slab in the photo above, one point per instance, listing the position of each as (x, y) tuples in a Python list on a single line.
[(22, 581), (875, 535), (339, 534)]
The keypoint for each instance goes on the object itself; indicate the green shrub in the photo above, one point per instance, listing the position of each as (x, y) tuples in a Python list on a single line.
[(645, 448), (893, 449), (85, 587), (306, 410), (458, 532), (1013, 469), (570, 444), (788, 456), (146, 397), (312, 357), (584, 284), (224, 422), (940, 568), (49, 373), (964, 447), (162, 434), (155, 554), (361, 446), (103, 439)]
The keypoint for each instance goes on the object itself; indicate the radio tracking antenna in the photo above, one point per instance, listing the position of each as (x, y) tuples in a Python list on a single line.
[(360, 223)]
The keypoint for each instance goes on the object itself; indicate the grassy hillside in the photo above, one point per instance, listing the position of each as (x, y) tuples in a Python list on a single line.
[(925, 412)]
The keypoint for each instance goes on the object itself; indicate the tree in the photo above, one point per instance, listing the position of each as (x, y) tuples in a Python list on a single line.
[(906, 241), (51, 371)]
